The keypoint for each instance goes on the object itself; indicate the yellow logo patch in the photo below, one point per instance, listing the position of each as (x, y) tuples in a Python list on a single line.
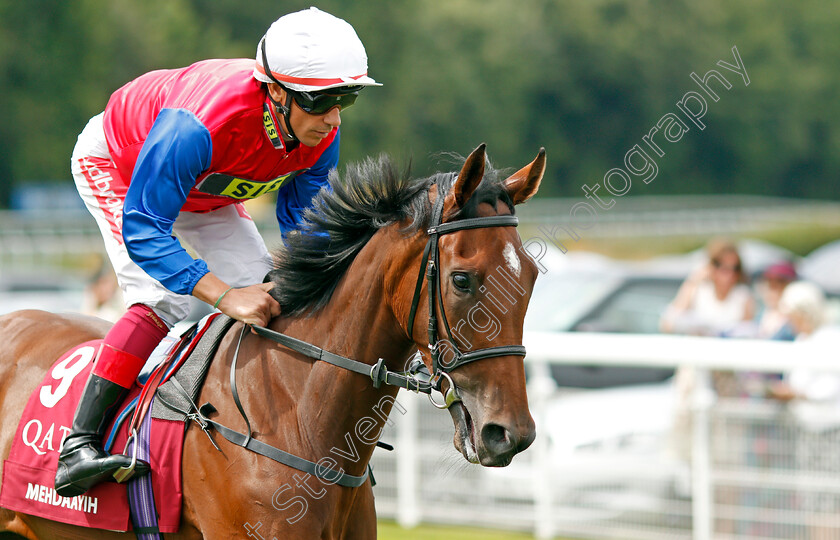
[(246, 189), (270, 129)]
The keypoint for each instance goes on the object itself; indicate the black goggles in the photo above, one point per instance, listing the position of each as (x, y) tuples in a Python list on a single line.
[(321, 102)]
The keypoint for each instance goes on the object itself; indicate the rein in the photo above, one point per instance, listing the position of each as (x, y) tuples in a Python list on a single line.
[(378, 372), (417, 378), (200, 416)]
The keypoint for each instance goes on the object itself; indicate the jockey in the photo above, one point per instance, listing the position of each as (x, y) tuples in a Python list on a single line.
[(177, 152)]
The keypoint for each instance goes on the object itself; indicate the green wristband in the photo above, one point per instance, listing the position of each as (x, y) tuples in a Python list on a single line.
[(219, 301)]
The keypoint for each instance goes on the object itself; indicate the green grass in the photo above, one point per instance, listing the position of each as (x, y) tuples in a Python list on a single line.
[(392, 531)]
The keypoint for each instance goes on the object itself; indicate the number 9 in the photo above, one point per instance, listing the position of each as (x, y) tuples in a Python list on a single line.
[(65, 372)]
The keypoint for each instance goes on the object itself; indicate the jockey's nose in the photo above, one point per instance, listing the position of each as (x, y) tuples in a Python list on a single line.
[(333, 117)]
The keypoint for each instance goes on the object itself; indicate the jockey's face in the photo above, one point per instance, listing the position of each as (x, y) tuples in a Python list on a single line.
[(310, 129)]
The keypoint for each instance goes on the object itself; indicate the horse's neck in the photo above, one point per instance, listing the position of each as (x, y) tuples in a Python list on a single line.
[(358, 323)]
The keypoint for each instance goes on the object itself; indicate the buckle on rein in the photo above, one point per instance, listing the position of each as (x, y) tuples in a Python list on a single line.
[(379, 374)]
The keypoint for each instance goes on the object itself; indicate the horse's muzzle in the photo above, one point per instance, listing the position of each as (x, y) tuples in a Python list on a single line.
[(500, 444), (492, 444)]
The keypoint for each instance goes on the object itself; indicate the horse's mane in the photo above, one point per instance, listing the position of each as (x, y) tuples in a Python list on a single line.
[(371, 195)]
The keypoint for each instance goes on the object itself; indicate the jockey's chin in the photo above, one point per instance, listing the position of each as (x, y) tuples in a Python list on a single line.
[(314, 137)]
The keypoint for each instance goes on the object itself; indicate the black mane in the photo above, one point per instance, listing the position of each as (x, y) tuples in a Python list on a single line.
[(372, 194)]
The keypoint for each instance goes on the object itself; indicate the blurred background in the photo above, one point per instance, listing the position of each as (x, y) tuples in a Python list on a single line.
[(743, 441)]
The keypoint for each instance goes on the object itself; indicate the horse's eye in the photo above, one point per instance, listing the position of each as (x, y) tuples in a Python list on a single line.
[(461, 281)]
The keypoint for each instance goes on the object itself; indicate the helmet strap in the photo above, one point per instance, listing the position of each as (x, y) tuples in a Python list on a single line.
[(284, 110), (287, 116)]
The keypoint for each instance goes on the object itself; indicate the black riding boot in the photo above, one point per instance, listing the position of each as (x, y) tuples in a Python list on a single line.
[(82, 462)]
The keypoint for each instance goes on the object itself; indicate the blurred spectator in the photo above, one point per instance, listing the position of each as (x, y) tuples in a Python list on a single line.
[(714, 299), (774, 324), (102, 297), (804, 305), (814, 398)]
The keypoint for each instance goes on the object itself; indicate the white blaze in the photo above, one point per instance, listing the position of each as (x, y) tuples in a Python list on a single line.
[(512, 259)]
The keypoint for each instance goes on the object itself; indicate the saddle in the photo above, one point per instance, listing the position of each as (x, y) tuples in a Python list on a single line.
[(176, 370)]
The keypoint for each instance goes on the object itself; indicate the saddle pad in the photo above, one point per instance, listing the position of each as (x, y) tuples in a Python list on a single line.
[(29, 471), (170, 403)]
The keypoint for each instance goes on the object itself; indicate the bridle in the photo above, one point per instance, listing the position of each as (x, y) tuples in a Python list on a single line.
[(430, 268), (417, 378)]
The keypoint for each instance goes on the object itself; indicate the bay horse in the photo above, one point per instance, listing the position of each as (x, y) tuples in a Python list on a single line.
[(346, 283)]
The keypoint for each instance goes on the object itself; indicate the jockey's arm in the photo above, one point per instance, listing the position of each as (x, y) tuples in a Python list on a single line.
[(177, 150)]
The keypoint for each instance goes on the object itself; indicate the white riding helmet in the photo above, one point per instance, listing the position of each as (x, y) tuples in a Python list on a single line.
[(311, 50)]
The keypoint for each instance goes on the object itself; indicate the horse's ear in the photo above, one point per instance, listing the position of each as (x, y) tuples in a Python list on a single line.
[(524, 183), (470, 176)]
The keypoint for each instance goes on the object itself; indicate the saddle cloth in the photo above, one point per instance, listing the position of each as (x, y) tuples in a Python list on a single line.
[(29, 471)]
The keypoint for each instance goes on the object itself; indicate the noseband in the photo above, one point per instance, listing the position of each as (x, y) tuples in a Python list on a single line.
[(430, 268)]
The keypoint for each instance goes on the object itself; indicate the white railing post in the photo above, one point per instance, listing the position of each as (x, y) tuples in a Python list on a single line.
[(540, 389), (408, 462), (701, 459)]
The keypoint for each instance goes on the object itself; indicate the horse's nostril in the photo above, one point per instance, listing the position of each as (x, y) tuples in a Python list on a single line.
[(497, 439)]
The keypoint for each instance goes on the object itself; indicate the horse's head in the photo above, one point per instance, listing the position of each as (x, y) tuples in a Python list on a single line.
[(483, 283), (473, 270)]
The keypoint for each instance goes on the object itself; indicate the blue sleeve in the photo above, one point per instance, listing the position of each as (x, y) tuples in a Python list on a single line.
[(293, 199), (177, 150)]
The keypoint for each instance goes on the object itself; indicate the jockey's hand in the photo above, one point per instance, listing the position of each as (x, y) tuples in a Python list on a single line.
[(252, 304)]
